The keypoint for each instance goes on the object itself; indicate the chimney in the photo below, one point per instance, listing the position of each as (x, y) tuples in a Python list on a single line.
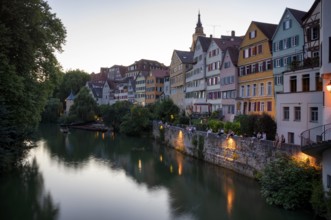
[(233, 33)]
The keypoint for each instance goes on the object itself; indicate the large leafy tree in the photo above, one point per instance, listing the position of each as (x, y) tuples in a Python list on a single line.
[(72, 81), (136, 122), (84, 108), (29, 36), (113, 115)]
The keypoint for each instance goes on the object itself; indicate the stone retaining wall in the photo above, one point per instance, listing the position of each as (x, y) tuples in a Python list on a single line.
[(244, 155)]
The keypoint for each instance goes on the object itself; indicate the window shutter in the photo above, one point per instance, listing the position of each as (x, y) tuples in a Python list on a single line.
[(296, 40), (275, 63), (281, 45), (289, 42), (281, 62), (274, 47), (258, 106), (289, 60)]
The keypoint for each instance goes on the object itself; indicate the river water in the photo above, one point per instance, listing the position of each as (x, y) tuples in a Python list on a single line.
[(90, 175)]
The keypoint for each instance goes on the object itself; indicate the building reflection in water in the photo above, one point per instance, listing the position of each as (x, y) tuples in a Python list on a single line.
[(139, 165)]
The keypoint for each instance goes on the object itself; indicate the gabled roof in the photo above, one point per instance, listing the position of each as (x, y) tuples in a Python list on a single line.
[(185, 57), (159, 73), (298, 15), (227, 41), (205, 42), (311, 10), (267, 29), (233, 53), (71, 97)]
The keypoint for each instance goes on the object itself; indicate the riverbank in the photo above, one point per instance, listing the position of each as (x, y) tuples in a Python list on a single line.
[(244, 155)]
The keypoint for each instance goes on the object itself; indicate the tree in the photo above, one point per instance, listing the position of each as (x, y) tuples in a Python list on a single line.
[(166, 110), (72, 81), (84, 108), (52, 110), (136, 122), (288, 183), (29, 36), (113, 114)]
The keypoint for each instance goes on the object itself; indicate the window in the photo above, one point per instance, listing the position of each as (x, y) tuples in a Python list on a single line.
[(269, 106), (253, 68), (293, 83), (268, 64), (290, 137), (254, 90), (286, 113), (297, 113), (314, 114), (248, 87), (252, 34), (242, 91), (261, 67), (287, 24), (262, 89), (259, 49), (269, 89), (318, 82), (305, 83), (262, 106)]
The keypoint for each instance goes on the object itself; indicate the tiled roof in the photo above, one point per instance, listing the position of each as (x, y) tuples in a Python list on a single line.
[(228, 41), (311, 10), (266, 28), (185, 56), (297, 14), (205, 42), (71, 96), (160, 73), (234, 54)]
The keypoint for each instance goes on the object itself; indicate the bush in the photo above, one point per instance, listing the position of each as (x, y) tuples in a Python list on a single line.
[(288, 183), (215, 124)]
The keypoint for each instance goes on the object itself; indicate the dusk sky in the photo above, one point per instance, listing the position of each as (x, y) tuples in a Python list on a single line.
[(102, 33)]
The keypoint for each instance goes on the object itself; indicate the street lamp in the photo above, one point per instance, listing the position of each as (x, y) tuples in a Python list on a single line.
[(328, 86)]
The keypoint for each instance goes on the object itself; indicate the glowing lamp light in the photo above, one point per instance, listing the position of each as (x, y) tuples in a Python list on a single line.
[(328, 86)]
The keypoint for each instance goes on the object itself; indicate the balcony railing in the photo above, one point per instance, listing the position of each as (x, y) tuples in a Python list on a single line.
[(316, 135), (306, 63)]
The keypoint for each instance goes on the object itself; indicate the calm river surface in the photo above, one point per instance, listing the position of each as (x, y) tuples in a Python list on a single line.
[(90, 175)]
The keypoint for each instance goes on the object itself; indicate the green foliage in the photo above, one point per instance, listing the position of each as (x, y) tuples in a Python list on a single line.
[(84, 108), (29, 71), (318, 200), (166, 110), (182, 119), (201, 147), (252, 124), (216, 115), (288, 183), (52, 111), (113, 115), (72, 81), (136, 122), (215, 124)]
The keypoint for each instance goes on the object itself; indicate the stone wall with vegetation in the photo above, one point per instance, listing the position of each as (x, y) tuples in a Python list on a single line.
[(245, 155)]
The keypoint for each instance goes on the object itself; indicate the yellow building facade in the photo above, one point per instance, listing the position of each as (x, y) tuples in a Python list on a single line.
[(255, 80)]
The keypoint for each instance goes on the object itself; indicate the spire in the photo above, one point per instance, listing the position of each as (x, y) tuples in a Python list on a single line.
[(199, 25)]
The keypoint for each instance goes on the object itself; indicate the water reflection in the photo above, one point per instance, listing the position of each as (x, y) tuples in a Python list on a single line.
[(107, 176), (23, 195)]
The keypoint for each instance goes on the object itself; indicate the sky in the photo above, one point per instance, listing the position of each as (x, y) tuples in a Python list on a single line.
[(103, 33)]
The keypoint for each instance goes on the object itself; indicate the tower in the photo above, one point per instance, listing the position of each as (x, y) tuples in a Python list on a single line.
[(198, 32)]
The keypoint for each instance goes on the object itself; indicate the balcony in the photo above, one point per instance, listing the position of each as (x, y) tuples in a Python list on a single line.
[(305, 64)]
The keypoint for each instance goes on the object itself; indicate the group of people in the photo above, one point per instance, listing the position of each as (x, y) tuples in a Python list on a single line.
[(279, 140)]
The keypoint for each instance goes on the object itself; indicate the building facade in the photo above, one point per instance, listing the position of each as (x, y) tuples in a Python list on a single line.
[(256, 81)]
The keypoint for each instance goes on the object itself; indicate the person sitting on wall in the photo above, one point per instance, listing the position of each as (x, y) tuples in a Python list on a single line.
[(259, 136), (230, 134), (209, 131), (282, 139), (276, 142)]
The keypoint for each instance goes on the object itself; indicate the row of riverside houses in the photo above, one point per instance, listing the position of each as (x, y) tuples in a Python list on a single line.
[(278, 69)]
